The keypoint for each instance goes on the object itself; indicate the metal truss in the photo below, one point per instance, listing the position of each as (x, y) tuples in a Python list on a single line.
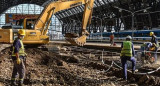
[(106, 16)]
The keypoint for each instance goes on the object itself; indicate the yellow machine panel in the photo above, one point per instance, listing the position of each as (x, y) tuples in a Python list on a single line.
[(6, 36), (32, 37), (35, 37)]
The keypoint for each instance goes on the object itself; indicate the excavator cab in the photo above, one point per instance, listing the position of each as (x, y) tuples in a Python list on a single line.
[(26, 23)]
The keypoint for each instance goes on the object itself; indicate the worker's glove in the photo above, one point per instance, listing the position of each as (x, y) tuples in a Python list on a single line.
[(152, 48), (18, 61)]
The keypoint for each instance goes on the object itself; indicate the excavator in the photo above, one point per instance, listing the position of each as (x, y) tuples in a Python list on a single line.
[(38, 34)]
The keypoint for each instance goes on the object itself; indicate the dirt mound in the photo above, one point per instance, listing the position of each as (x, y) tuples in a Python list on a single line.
[(62, 68), (50, 69), (44, 68)]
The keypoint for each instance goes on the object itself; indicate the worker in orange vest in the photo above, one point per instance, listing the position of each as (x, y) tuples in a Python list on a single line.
[(112, 39)]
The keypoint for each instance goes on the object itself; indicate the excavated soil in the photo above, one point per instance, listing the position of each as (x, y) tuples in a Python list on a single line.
[(69, 66)]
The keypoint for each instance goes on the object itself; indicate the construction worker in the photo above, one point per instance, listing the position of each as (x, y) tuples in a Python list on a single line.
[(145, 47), (18, 57), (155, 45), (127, 53), (112, 39)]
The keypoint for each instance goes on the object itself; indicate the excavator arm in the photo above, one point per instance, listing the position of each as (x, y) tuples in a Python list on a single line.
[(44, 19), (86, 19)]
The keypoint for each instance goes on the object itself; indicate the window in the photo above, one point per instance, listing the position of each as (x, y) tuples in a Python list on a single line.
[(32, 9)]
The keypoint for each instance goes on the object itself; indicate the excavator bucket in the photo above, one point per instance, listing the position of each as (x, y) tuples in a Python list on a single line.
[(81, 40), (74, 39)]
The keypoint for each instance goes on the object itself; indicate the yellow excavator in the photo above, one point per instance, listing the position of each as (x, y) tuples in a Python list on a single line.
[(38, 33)]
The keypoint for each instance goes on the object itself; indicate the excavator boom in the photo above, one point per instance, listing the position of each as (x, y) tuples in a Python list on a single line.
[(62, 5)]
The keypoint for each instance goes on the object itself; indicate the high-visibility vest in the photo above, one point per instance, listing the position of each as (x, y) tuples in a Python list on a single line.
[(127, 49), (21, 50), (153, 40)]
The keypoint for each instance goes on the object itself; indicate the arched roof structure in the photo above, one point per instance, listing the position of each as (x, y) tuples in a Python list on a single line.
[(106, 14)]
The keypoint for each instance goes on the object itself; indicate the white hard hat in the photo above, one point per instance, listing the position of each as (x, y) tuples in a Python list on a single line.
[(129, 37)]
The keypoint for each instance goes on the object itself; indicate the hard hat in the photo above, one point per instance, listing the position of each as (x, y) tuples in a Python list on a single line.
[(129, 37), (151, 33), (21, 32)]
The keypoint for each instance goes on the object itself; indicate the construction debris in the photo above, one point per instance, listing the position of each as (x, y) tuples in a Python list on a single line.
[(69, 66)]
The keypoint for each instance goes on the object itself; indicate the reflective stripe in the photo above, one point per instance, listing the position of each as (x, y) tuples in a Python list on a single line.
[(127, 49), (13, 78), (21, 50), (157, 44), (20, 79), (13, 52)]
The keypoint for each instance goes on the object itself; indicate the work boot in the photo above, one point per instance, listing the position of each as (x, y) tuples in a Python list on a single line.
[(20, 83), (125, 79), (133, 71), (13, 83)]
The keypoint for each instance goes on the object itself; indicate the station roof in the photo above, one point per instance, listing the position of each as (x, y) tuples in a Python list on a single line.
[(104, 11)]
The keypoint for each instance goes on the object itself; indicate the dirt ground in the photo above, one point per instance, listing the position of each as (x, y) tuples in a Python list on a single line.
[(70, 66)]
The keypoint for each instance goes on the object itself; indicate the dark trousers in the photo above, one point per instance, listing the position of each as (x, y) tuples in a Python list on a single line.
[(18, 69), (155, 54), (124, 65), (111, 41)]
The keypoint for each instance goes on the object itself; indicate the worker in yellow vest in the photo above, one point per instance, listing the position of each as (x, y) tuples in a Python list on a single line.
[(127, 53), (18, 57), (154, 45)]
